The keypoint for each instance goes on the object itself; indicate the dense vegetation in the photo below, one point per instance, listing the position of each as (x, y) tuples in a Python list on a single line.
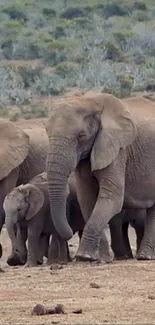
[(48, 46)]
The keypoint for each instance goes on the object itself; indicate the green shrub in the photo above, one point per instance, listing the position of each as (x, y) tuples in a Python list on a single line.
[(113, 52), (115, 91), (14, 117), (49, 12), (126, 85), (114, 9), (29, 74), (52, 56), (73, 12), (140, 5), (83, 22), (99, 6), (150, 85), (16, 13), (14, 24), (68, 69), (140, 15), (34, 110), (122, 35), (3, 109), (59, 31), (48, 84)]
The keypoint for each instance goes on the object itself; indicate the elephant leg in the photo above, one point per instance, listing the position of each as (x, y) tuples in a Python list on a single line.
[(138, 224), (117, 237), (64, 255), (80, 234), (87, 192), (58, 250), (43, 248), (21, 239), (33, 247), (139, 229), (1, 250), (125, 227), (104, 249), (147, 246), (53, 251)]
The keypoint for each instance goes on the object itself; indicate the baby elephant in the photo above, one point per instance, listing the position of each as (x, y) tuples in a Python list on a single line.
[(27, 212)]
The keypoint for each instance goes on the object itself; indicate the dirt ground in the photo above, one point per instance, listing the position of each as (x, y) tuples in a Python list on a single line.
[(125, 293)]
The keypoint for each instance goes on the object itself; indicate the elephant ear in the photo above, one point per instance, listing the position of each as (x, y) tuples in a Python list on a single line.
[(35, 197), (14, 146), (117, 130)]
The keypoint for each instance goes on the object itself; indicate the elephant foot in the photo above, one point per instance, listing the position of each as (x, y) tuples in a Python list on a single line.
[(85, 255), (40, 262), (58, 261), (31, 264), (15, 260), (145, 257), (122, 257)]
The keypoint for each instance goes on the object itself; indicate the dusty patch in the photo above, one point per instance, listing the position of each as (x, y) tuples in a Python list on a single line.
[(124, 293)]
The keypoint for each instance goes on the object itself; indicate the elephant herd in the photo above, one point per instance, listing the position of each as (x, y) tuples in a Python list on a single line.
[(89, 166)]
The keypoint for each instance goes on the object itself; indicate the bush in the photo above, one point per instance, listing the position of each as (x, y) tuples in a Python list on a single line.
[(50, 50), (113, 52), (67, 69), (140, 5), (34, 110), (83, 22), (29, 74), (12, 88), (114, 9), (140, 15), (48, 84), (71, 13), (126, 85), (59, 31), (115, 91), (122, 35), (52, 56), (15, 13), (49, 12)]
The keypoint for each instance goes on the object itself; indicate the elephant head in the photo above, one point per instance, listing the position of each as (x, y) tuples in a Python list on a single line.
[(94, 127), (20, 205), (14, 146)]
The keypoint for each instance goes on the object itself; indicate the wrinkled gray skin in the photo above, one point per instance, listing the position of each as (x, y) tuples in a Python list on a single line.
[(110, 145), (27, 209), (119, 225), (22, 155)]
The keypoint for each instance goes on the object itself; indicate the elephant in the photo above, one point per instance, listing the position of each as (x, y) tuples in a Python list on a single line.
[(23, 155), (27, 208), (119, 225), (109, 143)]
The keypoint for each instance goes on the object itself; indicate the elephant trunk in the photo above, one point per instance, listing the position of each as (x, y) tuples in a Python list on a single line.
[(11, 232), (17, 257), (60, 163)]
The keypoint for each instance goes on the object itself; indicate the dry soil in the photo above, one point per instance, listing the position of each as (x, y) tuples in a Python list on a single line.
[(125, 292)]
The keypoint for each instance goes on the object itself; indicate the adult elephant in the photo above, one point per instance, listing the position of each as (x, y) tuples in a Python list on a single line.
[(23, 153), (111, 145)]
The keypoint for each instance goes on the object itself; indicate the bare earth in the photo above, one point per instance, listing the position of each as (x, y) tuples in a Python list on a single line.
[(126, 293)]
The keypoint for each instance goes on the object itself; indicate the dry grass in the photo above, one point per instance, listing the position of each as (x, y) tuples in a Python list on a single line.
[(125, 294)]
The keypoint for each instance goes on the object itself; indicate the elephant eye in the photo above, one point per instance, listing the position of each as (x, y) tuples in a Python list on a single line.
[(81, 137)]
